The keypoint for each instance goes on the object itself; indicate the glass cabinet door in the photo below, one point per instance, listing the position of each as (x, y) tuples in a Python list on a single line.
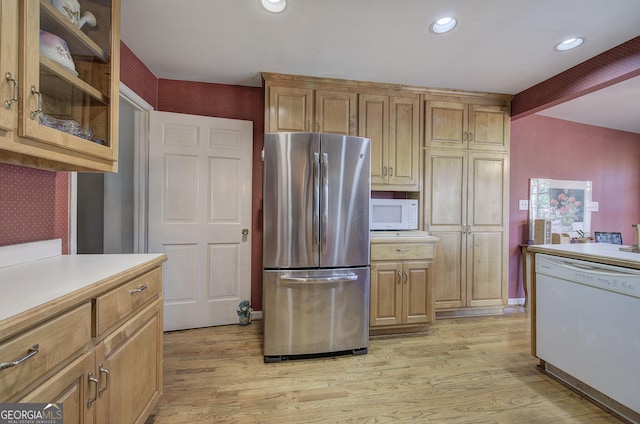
[(70, 69), (8, 64)]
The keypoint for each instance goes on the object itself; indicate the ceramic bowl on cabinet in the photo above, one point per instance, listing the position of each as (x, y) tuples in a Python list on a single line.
[(55, 48)]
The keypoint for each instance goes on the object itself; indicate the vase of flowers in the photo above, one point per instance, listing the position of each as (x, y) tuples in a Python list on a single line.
[(244, 312)]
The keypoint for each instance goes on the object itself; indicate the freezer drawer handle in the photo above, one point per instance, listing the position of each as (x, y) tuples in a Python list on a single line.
[(32, 351), (336, 279)]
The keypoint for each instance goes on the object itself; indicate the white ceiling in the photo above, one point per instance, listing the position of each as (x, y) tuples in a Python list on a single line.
[(501, 46)]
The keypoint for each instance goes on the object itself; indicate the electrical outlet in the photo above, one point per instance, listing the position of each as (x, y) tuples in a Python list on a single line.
[(595, 206), (524, 205)]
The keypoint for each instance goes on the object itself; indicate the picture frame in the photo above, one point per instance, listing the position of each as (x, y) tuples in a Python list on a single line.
[(566, 203)]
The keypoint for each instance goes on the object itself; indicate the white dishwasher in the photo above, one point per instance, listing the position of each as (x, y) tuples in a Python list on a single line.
[(588, 326)]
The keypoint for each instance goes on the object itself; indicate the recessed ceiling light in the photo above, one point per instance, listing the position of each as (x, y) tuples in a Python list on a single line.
[(443, 25), (569, 44), (275, 6)]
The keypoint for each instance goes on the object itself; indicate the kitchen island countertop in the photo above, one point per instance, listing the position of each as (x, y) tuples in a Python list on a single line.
[(603, 253)]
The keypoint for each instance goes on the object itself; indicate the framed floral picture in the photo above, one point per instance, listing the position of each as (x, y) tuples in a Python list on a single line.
[(567, 204)]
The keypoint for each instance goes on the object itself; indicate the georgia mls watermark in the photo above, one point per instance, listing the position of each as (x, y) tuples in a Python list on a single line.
[(30, 413)]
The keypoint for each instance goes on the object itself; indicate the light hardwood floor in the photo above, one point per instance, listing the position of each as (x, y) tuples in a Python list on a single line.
[(468, 370)]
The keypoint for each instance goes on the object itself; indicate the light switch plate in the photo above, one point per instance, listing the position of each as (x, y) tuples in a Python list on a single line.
[(595, 206), (524, 205)]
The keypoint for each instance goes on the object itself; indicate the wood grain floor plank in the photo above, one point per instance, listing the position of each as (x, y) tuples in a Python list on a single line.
[(466, 370)]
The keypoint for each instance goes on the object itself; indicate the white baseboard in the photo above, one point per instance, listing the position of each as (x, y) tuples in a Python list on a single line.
[(516, 301)]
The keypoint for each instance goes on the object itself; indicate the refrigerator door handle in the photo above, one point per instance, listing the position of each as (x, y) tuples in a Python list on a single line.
[(316, 199), (321, 280), (325, 201)]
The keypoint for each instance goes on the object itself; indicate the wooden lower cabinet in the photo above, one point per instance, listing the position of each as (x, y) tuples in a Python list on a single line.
[(400, 293), (466, 207), (130, 368), (401, 286), (73, 388), (114, 376)]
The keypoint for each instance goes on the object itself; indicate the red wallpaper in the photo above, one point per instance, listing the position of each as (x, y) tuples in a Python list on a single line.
[(135, 75), (234, 102), (33, 205), (543, 147), (613, 66)]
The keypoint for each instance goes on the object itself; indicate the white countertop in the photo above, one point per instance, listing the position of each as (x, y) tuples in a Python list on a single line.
[(595, 252), (28, 285), (408, 236)]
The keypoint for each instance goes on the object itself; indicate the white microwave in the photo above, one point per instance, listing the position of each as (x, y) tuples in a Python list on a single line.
[(393, 214)]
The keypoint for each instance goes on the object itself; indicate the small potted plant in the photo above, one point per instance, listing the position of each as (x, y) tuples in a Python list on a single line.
[(582, 237), (244, 312)]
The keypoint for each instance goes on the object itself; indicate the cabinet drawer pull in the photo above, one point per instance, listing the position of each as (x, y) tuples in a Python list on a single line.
[(403, 250), (32, 351), (8, 103), (94, 380), (106, 372), (139, 289)]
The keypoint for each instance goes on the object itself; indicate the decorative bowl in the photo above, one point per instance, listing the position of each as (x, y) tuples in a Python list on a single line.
[(55, 48)]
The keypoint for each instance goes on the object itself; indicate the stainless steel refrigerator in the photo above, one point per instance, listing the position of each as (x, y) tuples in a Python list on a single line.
[(316, 244)]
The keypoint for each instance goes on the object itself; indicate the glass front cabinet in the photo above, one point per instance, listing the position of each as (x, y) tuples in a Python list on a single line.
[(67, 85)]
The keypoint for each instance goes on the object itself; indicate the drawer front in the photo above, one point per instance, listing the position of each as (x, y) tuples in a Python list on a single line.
[(400, 251), (126, 300), (57, 340)]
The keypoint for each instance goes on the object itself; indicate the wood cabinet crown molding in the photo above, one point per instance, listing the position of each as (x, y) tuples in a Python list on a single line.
[(378, 87)]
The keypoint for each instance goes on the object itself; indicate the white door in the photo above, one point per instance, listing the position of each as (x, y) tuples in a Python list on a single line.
[(200, 214)]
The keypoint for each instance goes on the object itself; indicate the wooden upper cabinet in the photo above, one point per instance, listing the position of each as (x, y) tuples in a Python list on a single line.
[(393, 125), (461, 123), (290, 109), (296, 109), (373, 123), (66, 116), (335, 112), (489, 127), (404, 142)]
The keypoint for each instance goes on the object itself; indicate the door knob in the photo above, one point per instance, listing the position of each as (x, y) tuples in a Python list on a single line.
[(245, 231)]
